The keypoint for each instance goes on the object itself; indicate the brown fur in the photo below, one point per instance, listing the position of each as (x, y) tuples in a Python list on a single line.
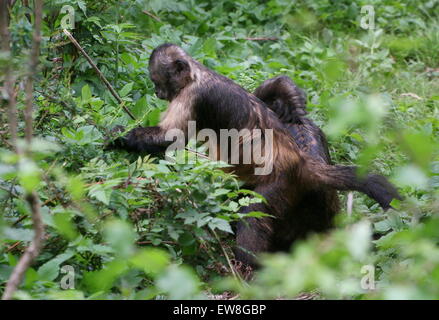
[(216, 102)]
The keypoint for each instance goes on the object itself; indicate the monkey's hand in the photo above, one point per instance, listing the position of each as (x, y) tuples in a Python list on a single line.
[(142, 140), (115, 140)]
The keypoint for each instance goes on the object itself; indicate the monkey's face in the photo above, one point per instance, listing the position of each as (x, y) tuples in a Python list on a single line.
[(169, 78), (161, 87)]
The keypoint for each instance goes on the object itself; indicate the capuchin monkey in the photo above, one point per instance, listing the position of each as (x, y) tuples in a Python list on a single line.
[(297, 178)]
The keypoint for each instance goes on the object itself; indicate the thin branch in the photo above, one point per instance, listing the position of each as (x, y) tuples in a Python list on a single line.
[(55, 100), (152, 15), (9, 82), (259, 38), (232, 270), (107, 83), (33, 64), (150, 242), (12, 3), (12, 247), (33, 250), (19, 220), (5, 141), (10, 191), (104, 80)]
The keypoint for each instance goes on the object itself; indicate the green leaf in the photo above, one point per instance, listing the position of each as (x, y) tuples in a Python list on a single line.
[(67, 295), (120, 236), (154, 117), (102, 195), (76, 187), (29, 175), (140, 107), (411, 175), (18, 234), (64, 225), (220, 224), (126, 89), (82, 5), (151, 260), (86, 93), (102, 280), (179, 283), (359, 240), (50, 270)]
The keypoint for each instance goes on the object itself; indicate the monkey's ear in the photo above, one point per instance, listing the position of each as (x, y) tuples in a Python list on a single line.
[(181, 65)]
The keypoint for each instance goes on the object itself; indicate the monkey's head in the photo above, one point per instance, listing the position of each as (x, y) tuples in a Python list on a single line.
[(170, 70)]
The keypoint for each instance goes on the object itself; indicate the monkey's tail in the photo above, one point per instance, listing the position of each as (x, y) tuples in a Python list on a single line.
[(345, 178)]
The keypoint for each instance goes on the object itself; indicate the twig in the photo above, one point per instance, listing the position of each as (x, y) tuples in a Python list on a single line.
[(235, 275), (34, 248), (152, 15), (33, 64), (197, 153), (150, 242), (32, 198), (54, 100), (104, 80), (12, 247), (6, 142), (19, 220), (46, 112), (412, 95), (109, 86), (12, 3), (9, 82), (259, 38), (11, 191)]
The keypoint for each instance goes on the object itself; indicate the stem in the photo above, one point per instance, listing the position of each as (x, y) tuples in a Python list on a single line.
[(235, 275), (117, 48), (9, 82), (33, 250), (104, 80), (33, 64), (152, 15)]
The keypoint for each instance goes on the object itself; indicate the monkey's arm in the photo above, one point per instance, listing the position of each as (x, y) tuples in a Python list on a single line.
[(142, 140)]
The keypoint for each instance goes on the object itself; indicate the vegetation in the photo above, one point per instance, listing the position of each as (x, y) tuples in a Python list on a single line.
[(119, 226)]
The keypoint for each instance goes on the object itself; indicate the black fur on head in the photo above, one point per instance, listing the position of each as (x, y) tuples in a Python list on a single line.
[(170, 70)]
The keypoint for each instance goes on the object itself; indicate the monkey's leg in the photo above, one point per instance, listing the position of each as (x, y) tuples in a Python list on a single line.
[(255, 235), (252, 237)]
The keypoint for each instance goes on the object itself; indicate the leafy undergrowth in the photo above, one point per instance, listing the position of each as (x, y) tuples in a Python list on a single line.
[(120, 226)]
